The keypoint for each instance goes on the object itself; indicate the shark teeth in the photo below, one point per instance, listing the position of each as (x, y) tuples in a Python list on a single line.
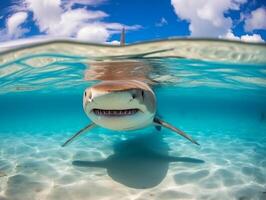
[(116, 113)]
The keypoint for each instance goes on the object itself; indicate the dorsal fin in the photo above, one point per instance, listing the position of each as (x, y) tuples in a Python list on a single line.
[(122, 38)]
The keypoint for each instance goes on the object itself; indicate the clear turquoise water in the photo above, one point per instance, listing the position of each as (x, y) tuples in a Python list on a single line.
[(222, 105)]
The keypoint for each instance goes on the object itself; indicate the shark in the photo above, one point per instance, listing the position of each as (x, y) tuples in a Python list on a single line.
[(122, 105)]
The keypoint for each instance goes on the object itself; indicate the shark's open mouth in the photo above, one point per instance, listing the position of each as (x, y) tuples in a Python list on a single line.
[(115, 113)]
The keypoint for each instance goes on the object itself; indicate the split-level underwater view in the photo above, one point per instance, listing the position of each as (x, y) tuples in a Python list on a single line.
[(213, 90)]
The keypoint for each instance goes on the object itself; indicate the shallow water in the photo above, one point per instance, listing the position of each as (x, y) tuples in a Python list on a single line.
[(216, 93)]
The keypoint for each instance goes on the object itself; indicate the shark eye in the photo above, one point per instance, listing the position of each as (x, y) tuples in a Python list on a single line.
[(142, 94), (87, 94), (133, 96)]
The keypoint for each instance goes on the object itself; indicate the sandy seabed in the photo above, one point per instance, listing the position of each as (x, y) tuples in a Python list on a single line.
[(148, 166)]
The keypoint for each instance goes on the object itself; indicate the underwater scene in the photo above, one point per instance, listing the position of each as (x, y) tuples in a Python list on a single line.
[(212, 90)]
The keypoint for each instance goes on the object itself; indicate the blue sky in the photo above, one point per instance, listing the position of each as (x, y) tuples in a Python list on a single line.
[(101, 20)]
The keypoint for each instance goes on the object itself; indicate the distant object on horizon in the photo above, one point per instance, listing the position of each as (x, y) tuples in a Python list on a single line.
[(122, 37)]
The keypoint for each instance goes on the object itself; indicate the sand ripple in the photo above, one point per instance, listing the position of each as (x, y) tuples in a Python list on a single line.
[(134, 168)]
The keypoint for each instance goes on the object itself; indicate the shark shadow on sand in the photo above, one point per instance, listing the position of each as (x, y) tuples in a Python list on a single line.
[(141, 162)]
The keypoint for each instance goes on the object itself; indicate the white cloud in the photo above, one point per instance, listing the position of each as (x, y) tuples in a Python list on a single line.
[(245, 38), (206, 17), (256, 20), (69, 3), (13, 27), (230, 36), (114, 42), (100, 32), (46, 13), (252, 38), (73, 20), (14, 22), (93, 33), (162, 22), (52, 19), (59, 18)]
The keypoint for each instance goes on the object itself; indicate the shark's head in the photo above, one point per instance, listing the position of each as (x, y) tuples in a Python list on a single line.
[(120, 104)]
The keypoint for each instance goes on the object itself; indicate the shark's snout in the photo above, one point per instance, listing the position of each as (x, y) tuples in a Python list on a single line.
[(117, 106)]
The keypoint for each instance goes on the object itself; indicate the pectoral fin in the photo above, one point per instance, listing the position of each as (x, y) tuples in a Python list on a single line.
[(160, 122), (82, 131)]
